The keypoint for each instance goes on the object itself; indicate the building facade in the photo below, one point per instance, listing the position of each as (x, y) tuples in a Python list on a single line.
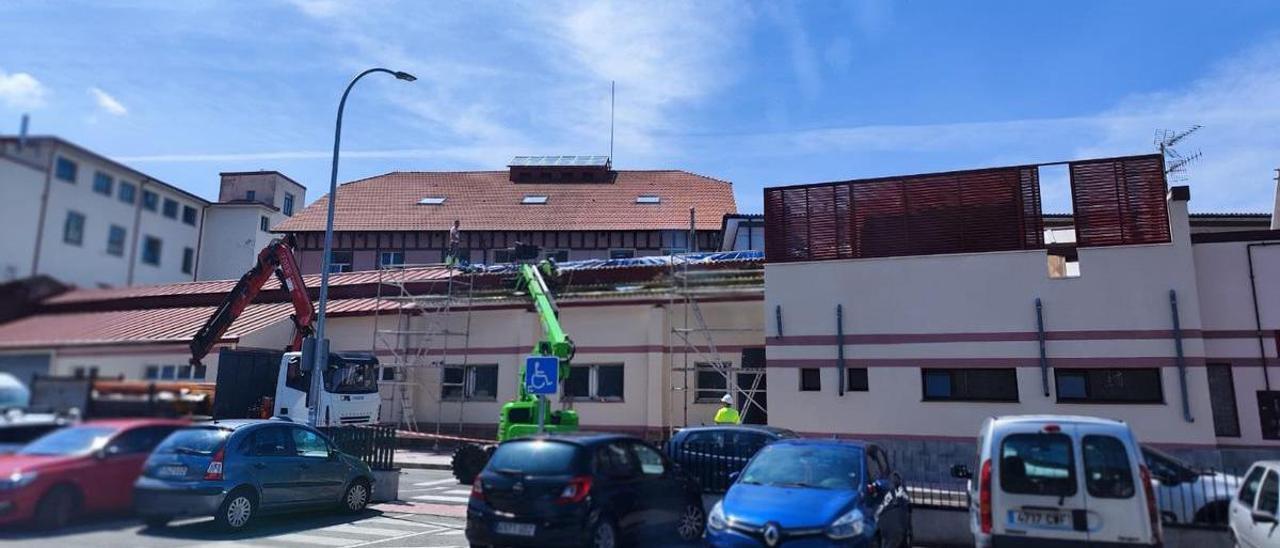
[(239, 225), (574, 208), (92, 222), (910, 324)]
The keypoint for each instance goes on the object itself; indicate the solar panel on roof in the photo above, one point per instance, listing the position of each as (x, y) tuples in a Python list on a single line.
[(559, 161)]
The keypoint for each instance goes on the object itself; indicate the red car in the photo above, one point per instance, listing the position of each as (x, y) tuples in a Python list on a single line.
[(83, 469)]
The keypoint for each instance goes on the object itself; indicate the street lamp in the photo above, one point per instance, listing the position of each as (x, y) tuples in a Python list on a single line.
[(319, 344)]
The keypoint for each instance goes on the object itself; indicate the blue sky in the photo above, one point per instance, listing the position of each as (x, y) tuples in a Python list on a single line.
[(760, 93)]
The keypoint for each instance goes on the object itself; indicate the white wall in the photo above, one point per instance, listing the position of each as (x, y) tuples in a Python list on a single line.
[(232, 239), (174, 235), (20, 188)]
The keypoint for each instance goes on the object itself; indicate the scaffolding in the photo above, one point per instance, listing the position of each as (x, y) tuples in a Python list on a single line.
[(422, 342), (690, 283)]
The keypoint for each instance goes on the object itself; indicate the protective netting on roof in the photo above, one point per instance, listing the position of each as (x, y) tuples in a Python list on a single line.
[(660, 260)]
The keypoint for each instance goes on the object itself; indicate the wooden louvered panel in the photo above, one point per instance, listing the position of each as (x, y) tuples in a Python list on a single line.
[(1032, 233), (934, 215), (775, 240), (1120, 201), (795, 223), (879, 217), (846, 229), (823, 228)]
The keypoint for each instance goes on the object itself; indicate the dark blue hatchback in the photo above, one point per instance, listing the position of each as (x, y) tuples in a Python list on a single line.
[(813, 493)]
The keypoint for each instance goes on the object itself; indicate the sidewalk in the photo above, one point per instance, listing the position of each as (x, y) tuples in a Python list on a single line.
[(424, 459)]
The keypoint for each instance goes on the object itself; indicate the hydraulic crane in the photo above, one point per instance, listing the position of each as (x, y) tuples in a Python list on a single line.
[(519, 417)]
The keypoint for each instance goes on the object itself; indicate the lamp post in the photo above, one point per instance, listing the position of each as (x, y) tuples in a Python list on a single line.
[(319, 344)]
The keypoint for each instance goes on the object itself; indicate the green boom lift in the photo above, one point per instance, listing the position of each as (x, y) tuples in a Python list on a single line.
[(520, 417)]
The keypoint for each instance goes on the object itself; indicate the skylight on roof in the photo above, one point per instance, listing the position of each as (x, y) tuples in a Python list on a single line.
[(648, 199), (534, 199), (432, 200)]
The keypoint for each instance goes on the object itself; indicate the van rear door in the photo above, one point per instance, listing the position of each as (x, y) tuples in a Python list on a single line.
[(1116, 503), (1036, 488)]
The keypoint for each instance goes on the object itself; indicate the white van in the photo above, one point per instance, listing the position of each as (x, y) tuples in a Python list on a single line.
[(1053, 480)]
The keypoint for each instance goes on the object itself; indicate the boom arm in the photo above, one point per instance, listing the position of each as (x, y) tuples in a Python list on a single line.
[(555, 342), (276, 258)]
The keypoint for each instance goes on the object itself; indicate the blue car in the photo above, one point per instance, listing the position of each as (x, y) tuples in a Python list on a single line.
[(238, 469), (806, 492)]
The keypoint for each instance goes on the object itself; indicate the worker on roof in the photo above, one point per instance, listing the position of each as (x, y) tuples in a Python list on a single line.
[(727, 414)]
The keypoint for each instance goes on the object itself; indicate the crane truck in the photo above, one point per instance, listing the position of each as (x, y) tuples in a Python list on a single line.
[(248, 388), (520, 417)]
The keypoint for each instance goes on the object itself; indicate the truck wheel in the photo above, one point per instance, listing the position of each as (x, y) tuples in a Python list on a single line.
[(468, 460)]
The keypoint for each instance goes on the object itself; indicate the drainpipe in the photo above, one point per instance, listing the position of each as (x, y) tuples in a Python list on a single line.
[(840, 350), (1044, 358), (1182, 362), (1257, 314), (44, 207)]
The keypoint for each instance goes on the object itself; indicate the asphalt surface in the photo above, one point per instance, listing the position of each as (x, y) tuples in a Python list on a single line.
[(373, 528)]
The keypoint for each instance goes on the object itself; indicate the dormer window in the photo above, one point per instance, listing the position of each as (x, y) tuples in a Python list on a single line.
[(648, 199), (534, 199), (432, 200)]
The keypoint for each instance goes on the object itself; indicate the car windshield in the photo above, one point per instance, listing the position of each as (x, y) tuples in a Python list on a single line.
[(70, 441), (534, 457), (791, 465), (194, 441)]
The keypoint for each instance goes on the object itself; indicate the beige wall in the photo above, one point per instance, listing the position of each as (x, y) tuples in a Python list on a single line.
[(233, 238)]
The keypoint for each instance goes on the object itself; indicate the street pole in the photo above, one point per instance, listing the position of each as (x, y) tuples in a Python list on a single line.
[(319, 342)]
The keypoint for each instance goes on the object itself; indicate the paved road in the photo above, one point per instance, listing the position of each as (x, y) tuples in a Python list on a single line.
[(374, 528)]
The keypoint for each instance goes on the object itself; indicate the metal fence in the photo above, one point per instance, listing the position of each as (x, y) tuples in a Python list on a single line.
[(1198, 499), (374, 444), (711, 464)]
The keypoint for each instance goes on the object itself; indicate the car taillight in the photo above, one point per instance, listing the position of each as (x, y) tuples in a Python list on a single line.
[(477, 490), (1153, 512), (577, 490), (214, 471), (984, 496)]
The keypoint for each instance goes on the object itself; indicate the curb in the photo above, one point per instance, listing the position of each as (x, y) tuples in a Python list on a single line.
[(424, 466)]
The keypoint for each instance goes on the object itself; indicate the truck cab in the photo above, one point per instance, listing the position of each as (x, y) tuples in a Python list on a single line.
[(349, 395)]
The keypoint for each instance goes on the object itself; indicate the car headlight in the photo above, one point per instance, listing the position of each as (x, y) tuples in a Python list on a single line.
[(715, 519), (846, 526), (17, 480)]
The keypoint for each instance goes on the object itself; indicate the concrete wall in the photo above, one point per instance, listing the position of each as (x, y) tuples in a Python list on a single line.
[(21, 183), (233, 238), (977, 310), (269, 188)]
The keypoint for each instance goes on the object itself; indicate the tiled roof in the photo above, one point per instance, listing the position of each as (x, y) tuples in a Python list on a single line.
[(488, 200), (152, 325)]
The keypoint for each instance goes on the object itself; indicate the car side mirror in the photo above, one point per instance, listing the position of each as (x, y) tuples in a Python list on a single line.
[(1263, 516), (733, 477), (100, 454), (961, 471)]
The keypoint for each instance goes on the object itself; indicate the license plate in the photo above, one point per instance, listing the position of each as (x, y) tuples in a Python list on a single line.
[(1046, 519), (172, 471), (514, 529)]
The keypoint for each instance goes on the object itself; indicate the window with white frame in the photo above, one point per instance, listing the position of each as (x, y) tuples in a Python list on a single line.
[(598, 382), (391, 258), (709, 383), (470, 383)]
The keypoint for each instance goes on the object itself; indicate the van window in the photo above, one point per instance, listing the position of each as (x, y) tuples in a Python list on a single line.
[(1107, 472), (1269, 494), (1037, 464), (1249, 490)]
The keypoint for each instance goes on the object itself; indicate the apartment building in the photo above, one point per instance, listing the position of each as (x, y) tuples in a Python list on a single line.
[(908, 309), (574, 207), (239, 224), (87, 220)]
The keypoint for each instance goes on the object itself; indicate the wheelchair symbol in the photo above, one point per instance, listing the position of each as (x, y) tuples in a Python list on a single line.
[(539, 379)]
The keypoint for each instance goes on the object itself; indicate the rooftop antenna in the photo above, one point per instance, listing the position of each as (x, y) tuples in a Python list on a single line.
[(613, 84), (1175, 163)]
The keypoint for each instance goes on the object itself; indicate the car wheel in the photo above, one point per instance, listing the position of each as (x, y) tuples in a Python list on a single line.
[(237, 510), (156, 522), (604, 534), (356, 497), (56, 508), (692, 522)]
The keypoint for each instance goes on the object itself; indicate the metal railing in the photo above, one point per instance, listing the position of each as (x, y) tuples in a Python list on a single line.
[(373, 444)]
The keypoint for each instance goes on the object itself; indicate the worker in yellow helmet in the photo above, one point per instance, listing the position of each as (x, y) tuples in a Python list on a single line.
[(727, 414)]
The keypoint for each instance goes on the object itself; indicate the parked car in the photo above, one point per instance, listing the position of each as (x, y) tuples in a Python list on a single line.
[(713, 453), (18, 428), (1252, 519), (1187, 494), (81, 469), (597, 490), (814, 493), (235, 470), (1061, 480)]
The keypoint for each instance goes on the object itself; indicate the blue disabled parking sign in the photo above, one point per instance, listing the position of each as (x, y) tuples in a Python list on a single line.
[(540, 374)]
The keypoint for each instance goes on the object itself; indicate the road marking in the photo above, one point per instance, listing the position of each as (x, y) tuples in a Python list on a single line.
[(357, 529), (298, 538), (394, 521), (441, 498), (225, 543), (458, 492), (450, 532), (401, 537), (436, 482)]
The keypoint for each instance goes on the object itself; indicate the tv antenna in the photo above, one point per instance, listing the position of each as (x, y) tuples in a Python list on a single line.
[(1175, 163)]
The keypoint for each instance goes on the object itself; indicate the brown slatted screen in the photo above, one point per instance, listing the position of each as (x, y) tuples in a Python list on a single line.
[(1120, 201), (973, 211)]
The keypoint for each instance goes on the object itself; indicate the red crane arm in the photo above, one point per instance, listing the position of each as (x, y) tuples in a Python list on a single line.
[(276, 258)]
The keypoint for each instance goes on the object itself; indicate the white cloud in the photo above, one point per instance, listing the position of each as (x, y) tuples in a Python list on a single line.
[(107, 103), (21, 90)]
